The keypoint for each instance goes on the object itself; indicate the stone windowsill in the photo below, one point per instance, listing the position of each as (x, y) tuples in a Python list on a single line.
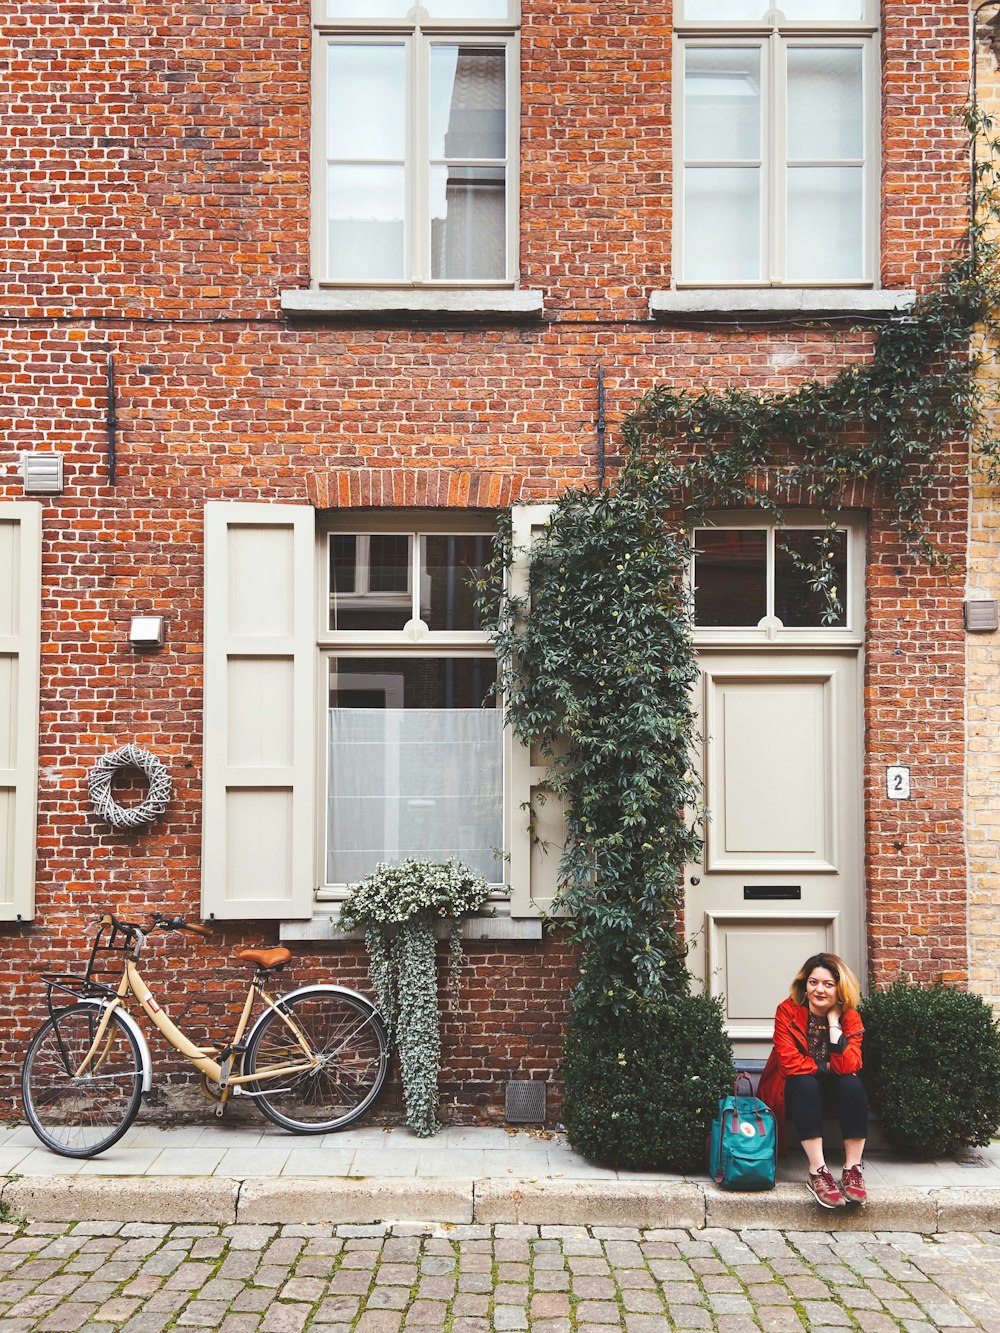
[(483, 303), (325, 925), (776, 302)]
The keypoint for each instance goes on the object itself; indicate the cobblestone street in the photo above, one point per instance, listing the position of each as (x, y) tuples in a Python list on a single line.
[(143, 1278)]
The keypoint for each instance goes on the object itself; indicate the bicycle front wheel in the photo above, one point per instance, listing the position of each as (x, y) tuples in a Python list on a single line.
[(347, 1040), (79, 1106)]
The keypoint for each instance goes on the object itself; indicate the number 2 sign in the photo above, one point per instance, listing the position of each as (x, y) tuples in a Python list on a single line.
[(897, 782)]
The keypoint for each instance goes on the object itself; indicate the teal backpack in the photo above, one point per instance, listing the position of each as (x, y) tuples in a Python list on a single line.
[(743, 1145)]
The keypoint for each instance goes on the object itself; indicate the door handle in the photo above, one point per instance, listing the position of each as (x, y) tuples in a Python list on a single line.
[(695, 880)]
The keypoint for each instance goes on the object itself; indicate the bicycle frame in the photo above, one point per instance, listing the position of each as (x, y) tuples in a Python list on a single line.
[(218, 1070)]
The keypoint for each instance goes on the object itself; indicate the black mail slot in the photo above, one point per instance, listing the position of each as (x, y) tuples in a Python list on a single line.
[(785, 892)]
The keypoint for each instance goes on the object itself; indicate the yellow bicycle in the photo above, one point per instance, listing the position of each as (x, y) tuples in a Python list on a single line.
[(313, 1061)]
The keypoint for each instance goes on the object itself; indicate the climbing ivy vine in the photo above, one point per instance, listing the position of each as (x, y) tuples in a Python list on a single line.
[(597, 661)]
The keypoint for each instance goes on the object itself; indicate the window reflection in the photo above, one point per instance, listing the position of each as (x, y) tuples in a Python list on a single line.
[(730, 574)]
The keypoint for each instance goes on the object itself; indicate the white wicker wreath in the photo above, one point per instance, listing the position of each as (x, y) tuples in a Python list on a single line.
[(143, 812)]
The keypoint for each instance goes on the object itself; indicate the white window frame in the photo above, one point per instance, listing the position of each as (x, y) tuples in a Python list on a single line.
[(766, 631), (417, 32), (407, 641), (773, 35)]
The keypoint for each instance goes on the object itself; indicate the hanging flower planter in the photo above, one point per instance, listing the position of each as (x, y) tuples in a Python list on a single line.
[(398, 907)]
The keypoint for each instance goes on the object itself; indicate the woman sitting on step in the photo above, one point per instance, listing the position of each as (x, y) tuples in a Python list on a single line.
[(815, 1058)]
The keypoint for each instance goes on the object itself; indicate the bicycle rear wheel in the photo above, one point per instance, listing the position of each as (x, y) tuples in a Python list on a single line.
[(349, 1043), (80, 1115)]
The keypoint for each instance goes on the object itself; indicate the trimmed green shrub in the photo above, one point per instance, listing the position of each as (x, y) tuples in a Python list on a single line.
[(932, 1067), (642, 1088)]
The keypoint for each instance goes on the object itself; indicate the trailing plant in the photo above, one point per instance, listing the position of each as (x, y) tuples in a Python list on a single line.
[(932, 1066), (641, 1088), (398, 907)]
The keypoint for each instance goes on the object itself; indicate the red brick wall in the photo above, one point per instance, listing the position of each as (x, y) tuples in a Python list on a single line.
[(159, 204)]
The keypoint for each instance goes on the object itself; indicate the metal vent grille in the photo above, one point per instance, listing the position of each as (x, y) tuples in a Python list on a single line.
[(525, 1102), (42, 474)]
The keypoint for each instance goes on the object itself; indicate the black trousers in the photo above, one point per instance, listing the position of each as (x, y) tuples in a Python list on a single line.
[(807, 1094)]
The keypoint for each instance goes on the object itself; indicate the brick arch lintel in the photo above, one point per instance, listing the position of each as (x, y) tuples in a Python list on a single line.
[(412, 488)]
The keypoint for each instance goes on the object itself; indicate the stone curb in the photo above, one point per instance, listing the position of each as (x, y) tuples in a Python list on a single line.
[(331, 1200), (342, 1199)]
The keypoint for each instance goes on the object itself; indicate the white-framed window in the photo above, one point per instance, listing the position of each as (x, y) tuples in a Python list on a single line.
[(413, 760), (415, 142), (777, 170), (347, 711), (752, 580)]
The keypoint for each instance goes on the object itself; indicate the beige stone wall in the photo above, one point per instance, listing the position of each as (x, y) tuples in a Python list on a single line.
[(983, 668)]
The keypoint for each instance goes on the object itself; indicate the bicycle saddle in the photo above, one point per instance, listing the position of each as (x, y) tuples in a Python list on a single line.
[(265, 957)]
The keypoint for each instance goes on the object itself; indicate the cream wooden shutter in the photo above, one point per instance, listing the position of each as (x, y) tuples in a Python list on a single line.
[(536, 827), (20, 640), (260, 712)]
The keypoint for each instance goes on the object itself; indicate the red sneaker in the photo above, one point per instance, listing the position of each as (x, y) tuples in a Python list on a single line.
[(852, 1182), (825, 1189)]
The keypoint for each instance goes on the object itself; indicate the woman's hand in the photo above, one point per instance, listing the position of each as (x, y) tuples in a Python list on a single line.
[(833, 1017)]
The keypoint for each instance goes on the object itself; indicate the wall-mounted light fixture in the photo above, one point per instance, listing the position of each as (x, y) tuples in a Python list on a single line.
[(42, 474), (146, 632)]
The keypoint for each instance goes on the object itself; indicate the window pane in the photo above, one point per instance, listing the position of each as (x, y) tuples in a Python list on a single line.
[(722, 224), (796, 604), (450, 565), (468, 222), (468, 115), (822, 10), (825, 223), (366, 228), (437, 9), (415, 765), (697, 10), (370, 581), (366, 90), (825, 103), (730, 575), (816, 10), (722, 103)]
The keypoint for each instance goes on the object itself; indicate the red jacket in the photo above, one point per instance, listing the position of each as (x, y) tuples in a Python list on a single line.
[(790, 1054)]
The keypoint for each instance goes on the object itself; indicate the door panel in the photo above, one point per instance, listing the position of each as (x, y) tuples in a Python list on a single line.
[(782, 871)]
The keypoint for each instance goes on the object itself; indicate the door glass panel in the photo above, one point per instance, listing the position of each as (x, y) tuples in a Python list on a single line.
[(825, 224), (415, 764), (722, 104), (730, 574), (722, 224), (796, 604), (825, 103)]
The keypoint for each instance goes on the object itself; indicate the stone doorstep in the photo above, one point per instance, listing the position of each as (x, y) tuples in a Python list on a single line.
[(224, 1201)]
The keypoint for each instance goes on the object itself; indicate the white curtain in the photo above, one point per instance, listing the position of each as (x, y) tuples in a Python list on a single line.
[(424, 782)]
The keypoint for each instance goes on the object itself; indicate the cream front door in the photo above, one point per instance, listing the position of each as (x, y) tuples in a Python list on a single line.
[(781, 873)]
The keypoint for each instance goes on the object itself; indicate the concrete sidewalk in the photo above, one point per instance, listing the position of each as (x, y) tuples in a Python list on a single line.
[(226, 1173)]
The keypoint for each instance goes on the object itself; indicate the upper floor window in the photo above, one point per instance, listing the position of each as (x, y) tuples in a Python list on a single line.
[(415, 176), (776, 114)]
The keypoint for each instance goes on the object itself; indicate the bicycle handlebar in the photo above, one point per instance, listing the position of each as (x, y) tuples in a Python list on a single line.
[(131, 929)]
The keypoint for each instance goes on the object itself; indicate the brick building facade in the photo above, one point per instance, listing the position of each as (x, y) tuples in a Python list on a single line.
[(234, 203)]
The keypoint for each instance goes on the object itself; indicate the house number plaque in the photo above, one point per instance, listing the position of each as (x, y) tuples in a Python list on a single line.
[(897, 782)]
